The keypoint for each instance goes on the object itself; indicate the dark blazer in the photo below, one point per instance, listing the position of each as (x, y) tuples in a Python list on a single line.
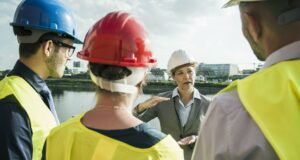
[(168, 116)]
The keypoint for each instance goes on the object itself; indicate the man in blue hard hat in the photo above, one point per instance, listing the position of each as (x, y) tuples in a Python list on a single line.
[(46, 32)]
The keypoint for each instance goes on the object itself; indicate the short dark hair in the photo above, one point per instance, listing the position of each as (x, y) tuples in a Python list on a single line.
[(109, 72), (26, 50)]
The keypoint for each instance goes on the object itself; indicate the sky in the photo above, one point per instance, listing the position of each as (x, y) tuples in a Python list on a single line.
[(200, 27)]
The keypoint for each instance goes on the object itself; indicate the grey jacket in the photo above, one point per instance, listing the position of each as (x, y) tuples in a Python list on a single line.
[(168, 116)]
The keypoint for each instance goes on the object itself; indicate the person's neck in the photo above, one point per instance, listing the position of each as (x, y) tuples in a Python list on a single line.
[(112, 111), (36, 66), (114, 100), (186, 95), (285, 36)]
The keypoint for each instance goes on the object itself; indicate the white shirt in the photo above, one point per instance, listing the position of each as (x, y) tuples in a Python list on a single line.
[(184, 110)]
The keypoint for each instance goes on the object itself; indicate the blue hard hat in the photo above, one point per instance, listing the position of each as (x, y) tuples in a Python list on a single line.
[(49, 15)]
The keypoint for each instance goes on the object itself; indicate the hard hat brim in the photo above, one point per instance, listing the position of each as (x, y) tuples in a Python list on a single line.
[(75, 39), (236, 2)]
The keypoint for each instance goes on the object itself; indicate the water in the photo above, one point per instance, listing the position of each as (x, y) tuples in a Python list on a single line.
[(71, 103)]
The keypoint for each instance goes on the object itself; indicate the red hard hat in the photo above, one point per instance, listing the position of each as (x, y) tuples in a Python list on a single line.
[(117, 39)]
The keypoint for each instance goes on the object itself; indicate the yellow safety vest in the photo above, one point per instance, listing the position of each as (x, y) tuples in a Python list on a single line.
[(41, 119), (73, 141), (272, 98)]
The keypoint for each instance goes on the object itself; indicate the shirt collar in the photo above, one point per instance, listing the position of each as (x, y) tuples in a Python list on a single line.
[(28, 75), (196, 93), (288, 52)]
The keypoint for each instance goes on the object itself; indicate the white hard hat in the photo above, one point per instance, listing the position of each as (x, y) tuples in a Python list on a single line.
[(236, 2), (178, 58)]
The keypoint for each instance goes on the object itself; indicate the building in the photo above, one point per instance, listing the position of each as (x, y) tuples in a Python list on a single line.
[(248, 71), (77, 67), (259, 67), (217, 71), (200, 78), (157, 74)]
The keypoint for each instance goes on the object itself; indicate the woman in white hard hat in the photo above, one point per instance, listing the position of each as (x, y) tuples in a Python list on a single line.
[(118, 55), (181, 110)]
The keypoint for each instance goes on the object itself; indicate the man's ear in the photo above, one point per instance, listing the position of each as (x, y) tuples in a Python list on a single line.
[(47, 48), (253, 24)]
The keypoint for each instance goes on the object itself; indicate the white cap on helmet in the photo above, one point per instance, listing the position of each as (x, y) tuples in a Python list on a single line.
[(33, 37), (125, 85), (178, 58), (236, 2)]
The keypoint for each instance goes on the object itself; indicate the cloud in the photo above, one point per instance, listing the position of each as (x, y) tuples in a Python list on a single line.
[(201, 27), (8, 49)]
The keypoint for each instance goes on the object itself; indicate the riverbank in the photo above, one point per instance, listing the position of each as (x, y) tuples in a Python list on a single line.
[(57, 85)]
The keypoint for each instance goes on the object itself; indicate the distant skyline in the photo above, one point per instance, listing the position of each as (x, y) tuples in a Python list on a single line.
[(201, 27)]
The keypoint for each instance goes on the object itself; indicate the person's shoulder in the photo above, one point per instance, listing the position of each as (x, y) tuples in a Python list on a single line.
[(9, 100), (73, 122), (167, 146), (14, 118), (228, 102), (141, 136), (202, 97), (10, 106), (151, 132), (205, 98)]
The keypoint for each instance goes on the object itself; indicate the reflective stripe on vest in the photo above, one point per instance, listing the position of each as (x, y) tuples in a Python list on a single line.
[(72, 140), (272, 98), (41, 119)]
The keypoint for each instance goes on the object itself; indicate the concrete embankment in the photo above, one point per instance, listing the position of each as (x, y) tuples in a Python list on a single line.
[(150, 88)]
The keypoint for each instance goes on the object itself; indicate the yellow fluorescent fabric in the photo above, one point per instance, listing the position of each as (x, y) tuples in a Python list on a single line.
[(74, 141), (41, 119), (272, 97)]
